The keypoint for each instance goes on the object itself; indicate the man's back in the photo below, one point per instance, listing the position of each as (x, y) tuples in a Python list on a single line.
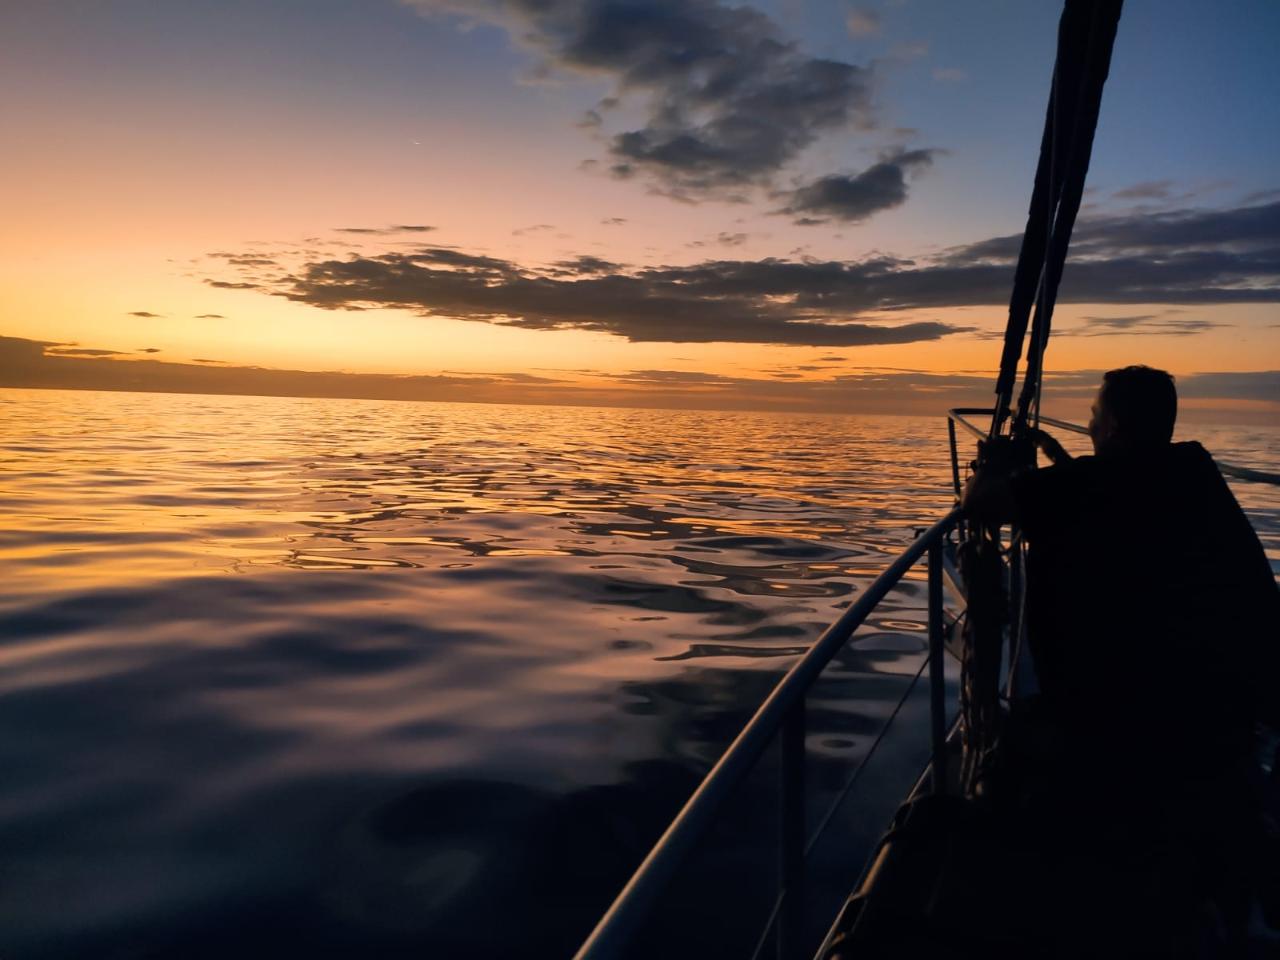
[(1152, 612)]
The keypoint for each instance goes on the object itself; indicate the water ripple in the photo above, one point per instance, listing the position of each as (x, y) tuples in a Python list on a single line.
[(288, 677)]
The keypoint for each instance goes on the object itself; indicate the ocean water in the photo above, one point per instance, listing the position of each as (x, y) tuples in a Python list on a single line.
[(296, 677)]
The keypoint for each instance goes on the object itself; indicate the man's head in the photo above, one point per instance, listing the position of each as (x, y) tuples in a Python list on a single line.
[(1135, 410)]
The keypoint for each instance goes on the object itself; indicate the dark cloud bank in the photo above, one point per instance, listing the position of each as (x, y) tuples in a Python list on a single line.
[(1188, 257), (31, 363)]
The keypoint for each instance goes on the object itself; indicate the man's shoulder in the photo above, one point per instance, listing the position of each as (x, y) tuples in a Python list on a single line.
[(1191, 453), (1191, 465), (1050, 496), (1057, 476)]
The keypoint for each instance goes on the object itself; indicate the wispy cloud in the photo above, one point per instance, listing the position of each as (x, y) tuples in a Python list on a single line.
[(490, 376), (585, 264), (724, 238), (1170, 191), (250, 261), (862, 22), (1147, 190), (145, 314), (911, 50), (388, 230), (1139, 325), (83, 352)]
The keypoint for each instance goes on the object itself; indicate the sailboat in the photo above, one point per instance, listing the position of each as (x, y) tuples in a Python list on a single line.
[(948, 877)]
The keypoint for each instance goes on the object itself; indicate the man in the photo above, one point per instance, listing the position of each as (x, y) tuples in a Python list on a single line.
[(1154, 626), (1147, 582)]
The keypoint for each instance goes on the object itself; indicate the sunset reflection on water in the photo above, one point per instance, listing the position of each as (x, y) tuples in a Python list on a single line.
[(316, 674)]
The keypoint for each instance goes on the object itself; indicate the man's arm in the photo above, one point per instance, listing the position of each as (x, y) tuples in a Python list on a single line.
[(1050, 447)]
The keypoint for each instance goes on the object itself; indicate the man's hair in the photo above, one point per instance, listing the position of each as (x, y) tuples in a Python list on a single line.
[(1143, 401)]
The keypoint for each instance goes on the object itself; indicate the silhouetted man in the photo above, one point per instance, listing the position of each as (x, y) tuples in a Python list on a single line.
[(1154, 625)]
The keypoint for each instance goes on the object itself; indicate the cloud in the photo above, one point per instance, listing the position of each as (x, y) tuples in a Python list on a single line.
[(1120, 323), (680, 377), (727, 101), (1196, 256), (1147, 190), (854, 198), (210, 316), (1167, 191), (28, 363), (724, 239), (506, 377), (536, 228), (912, 50), (1261, 196), (1260, 385), (229, 285), (387, 231), (146, 314), (586, 264), (1138, 325), (83, 352), (149, 350), (614, 221), (768, 301), (1188, 257), (862, 22), (250, 261)]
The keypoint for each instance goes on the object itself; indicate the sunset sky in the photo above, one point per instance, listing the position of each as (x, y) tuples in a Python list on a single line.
[(691, 202)]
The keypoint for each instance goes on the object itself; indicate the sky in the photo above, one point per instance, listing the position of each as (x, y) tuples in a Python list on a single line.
[(688, 203)]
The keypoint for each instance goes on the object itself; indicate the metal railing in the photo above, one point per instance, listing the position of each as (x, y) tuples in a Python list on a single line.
[(781, 713), (782, 716)]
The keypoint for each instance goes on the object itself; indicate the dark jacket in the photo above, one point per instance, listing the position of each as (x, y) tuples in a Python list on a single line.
[(1153, 613)]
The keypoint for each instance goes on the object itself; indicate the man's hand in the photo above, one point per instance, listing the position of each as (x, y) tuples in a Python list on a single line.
[(1050, 447)]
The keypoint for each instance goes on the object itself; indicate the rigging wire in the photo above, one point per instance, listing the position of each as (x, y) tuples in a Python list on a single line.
[(1086, 36), (1077, 100)]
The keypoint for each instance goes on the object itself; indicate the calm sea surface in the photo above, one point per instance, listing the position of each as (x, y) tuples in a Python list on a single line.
[(290, 677)]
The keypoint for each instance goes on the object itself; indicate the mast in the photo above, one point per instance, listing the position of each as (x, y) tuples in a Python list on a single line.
[(1086, 35)]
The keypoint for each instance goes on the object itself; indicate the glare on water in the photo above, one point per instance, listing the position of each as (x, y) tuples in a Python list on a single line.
[(354, 675)]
